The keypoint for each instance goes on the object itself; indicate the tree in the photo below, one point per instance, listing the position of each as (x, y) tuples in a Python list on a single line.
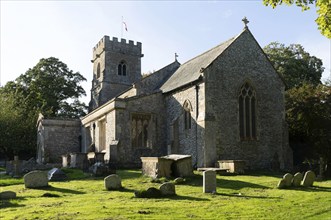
[(309, 118), (17, 128), (323, 10), (49, 88), (294, 64)]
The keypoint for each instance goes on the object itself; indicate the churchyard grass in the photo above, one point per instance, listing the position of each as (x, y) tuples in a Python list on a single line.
[(252, 196)]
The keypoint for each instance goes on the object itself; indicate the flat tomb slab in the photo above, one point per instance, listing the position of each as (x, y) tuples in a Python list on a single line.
[(234, 166), (217, 170)]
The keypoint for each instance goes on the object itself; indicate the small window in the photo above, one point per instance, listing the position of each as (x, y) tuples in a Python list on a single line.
[(98, 71), (121, 69), (247, 112), (187, 115)]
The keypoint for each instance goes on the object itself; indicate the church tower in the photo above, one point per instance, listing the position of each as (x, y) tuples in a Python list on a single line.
[(116, 66)]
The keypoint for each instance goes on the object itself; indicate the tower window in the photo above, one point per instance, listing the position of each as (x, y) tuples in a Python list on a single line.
[(98, 71), (121, 70), (247, 112)]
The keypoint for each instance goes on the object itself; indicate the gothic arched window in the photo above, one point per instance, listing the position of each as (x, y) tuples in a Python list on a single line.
[(98, 71), (247, 112), (187, 114), (121, 69)]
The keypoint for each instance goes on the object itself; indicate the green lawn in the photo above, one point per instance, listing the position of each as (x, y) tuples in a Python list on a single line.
[(238, 197)]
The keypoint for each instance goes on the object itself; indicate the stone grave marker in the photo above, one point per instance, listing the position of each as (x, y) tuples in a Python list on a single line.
[(7, 195), (56, 174), (35, 179), (113, 182), (168, 189), (309, 178), (288, 179), (281, 184), (297, 179), (209, 181)]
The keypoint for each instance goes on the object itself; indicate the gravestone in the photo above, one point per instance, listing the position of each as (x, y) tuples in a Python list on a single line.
[(288, 179), (78, 160), (181, 166), (309, 178), (113, 182), (35, 179), (209, 181), (281, 184), (297, 179), (168, 189), (56, 174), (179, 180), (66, 160), (7, 195)]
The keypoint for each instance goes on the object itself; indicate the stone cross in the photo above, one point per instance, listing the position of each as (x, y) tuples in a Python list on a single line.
[(176, 55), (245, 22)]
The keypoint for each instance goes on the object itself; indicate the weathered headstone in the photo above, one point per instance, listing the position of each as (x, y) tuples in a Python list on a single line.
[(66, 160), (209, 181), (288, 179), (113, 182), (56, 174), (101, 169), (7, 195), (281, 184), (179, 180), (297, 179), (309, 178), (16, 163), (35, 179), (168, 189), (79, 160)]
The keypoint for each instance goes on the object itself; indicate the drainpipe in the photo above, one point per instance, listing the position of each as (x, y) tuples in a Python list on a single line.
[(196, 123)]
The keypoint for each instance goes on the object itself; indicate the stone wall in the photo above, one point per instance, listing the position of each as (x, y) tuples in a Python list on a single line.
[(243, 62), (153, 105), (181, 140), (57, 137)]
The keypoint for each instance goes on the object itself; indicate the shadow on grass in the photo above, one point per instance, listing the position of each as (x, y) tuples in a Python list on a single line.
[(62, 190), (196, 180), (247, 196), (311, 189), (237, 184), (179, 197), (12, 203)]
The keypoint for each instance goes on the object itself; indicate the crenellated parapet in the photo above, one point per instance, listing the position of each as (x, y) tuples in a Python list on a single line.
[(116, 46)]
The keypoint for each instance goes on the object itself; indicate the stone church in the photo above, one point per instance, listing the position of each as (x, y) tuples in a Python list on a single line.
[(224, 104)]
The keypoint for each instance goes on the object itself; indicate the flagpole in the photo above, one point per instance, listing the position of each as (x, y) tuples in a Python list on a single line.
[(122, 28)]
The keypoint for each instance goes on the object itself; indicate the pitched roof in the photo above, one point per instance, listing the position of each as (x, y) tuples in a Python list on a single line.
[(190, 71)]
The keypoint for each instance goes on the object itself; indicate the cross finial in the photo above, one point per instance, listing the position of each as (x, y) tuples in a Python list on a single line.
[(176, 55), (245, 22)]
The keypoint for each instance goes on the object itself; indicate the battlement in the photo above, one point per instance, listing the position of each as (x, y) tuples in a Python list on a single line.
[(114, 45)]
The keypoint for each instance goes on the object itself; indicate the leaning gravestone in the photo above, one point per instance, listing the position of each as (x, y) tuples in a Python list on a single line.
[(168, 189), (288, 179), (113, 182), (309, 178), (281, 184), (297, 179), (56, 174), (7, 195), (209, 181), (35, 179)]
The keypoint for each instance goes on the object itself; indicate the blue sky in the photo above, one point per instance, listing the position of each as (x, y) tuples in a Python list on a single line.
[(68, 30)]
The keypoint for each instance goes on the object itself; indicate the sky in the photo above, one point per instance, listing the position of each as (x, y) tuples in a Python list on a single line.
[(68, 30)]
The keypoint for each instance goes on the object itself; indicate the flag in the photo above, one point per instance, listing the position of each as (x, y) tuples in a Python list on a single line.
[(125, 26)]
